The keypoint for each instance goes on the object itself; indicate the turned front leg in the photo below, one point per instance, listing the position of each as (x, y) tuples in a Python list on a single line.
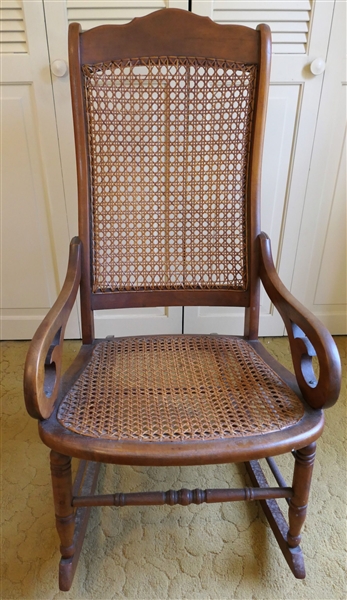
[(62, 493), (304, 461)]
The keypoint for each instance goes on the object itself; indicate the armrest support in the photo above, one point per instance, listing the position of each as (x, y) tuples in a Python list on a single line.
[(307, 337), (43, 363)]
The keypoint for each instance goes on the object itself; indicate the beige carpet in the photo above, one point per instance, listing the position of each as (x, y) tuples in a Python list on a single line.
[(207, 551)]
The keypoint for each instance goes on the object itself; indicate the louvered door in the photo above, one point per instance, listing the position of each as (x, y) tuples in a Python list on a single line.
[(34, 239), (91, 13), (39, 193), (289, 19), (13, 37), (320, 269), (300, 30)]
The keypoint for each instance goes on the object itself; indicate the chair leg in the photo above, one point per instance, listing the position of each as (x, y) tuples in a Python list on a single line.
[(71, 524), (288, 538), (62, 494), (304, 461)]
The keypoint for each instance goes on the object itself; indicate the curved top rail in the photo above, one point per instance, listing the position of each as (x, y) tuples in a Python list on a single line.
[(170, 32)]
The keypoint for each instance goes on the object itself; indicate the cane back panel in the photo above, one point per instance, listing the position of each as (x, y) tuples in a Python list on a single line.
[(169, 142)]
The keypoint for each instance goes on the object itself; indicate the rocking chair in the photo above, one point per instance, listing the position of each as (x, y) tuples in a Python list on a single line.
[(169, 116)]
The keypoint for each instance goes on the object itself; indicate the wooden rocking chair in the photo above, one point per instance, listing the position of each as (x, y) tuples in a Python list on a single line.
[(169, 114)]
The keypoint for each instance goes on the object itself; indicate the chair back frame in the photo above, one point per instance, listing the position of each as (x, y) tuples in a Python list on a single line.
[(172, 33)]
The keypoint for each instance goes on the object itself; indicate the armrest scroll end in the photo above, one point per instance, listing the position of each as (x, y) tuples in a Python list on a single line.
[(308, 337), (43, 363)]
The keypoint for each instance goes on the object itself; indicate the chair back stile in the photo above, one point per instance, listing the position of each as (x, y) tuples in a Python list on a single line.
[(254, 186), (169, 132), (83, 178)]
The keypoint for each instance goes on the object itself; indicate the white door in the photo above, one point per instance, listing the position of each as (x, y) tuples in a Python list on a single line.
[(91, 13), (320, 270), (300, 30), (39, 189), (35, 237)]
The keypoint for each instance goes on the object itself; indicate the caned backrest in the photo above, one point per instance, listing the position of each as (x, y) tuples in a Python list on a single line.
[(169, 116)]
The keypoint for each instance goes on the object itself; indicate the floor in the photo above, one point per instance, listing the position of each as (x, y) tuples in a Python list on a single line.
[(209, 551)]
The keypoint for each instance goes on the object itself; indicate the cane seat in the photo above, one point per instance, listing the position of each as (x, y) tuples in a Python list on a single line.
[(169, 388)]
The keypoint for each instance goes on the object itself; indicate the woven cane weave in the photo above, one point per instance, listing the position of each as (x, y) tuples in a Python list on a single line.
[(168, 388), (169, 147)]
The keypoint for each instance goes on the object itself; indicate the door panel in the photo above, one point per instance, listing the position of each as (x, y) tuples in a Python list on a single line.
[(320, 270), (331, 285), (292, 114), (22, 158), (25, 234), (33, 207)]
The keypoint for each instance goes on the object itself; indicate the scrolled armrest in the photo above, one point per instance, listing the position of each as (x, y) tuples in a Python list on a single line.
[(307, 337), (43, 363)]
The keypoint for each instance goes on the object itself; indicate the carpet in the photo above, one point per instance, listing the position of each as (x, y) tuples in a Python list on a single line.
[(215, 552)]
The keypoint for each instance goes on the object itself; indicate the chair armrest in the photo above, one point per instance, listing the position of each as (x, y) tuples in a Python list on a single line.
[(43, 363), (307, 337)]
